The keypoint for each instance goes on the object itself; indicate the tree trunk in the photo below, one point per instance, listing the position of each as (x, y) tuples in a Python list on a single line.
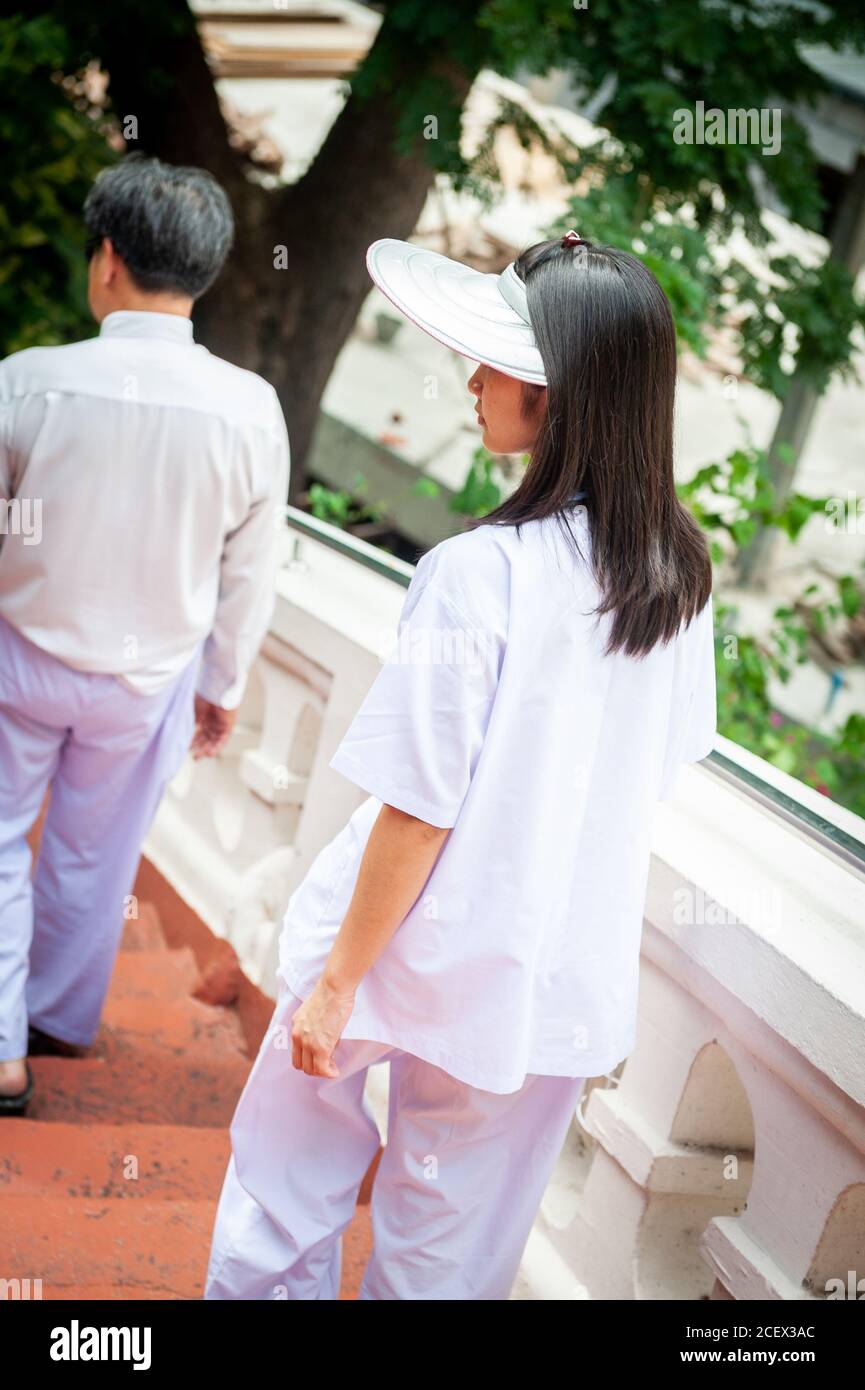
[(291, 294), (288, 324), (295, 285)]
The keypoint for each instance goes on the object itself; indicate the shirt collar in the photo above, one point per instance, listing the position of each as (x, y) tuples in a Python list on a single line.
[(142, 323)]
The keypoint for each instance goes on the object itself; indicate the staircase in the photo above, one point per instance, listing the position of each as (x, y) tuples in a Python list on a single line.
[(109, 1184)]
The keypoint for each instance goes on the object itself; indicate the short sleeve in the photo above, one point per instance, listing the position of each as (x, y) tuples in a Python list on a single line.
[(416, 738), (694, 713)]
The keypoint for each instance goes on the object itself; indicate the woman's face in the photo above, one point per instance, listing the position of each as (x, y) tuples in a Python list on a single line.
[(510, 426)]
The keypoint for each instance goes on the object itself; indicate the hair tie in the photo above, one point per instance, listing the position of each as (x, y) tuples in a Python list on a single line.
[(572, 239)]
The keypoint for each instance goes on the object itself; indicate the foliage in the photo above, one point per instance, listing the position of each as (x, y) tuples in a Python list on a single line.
[(833, 764), (53, 142), (801, 326), (342, 507), (735, 497), (641, 64), (796, 320), (729, 499), (480, 493)]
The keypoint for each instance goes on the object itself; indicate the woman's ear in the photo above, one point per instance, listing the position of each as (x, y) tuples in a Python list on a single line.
[(540, 406), (533, 400)]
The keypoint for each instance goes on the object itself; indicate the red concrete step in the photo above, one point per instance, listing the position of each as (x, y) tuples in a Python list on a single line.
[(182, 1026), (82, 1248), (145, 1089), (144, 932), (109, 1185), (108, 1293), (70, 1242), (163, 975), (69, 1160), (356, 1249)]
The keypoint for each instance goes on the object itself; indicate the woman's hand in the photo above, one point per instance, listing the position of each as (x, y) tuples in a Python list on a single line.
[(398, 859), (317, 1026)]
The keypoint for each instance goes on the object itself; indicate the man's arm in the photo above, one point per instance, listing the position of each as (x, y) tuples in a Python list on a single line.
[(246, 597)]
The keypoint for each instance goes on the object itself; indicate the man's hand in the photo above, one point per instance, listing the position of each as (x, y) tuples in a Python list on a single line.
[(213, 725), (317, 1027)]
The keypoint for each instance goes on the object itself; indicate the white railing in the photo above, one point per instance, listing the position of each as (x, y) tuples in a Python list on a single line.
[(726, 1156)]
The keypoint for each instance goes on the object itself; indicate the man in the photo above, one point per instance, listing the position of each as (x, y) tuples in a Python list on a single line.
[(140, 486)]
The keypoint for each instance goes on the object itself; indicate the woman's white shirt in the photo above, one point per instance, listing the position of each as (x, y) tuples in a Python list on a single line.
[(498, 714)]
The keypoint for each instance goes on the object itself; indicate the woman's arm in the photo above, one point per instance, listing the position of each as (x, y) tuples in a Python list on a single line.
[(398, 860)]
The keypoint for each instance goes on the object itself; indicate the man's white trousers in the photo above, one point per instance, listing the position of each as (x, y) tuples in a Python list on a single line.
[(454, 1197), (107, 752)]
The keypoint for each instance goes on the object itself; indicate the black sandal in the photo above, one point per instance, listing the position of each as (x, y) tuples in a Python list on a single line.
[(17, 1104), (41, 1044)]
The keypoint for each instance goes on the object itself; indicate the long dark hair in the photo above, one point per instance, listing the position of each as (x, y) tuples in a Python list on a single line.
[(606, 336)]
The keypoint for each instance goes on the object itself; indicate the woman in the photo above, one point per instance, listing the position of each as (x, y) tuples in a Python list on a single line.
[(477, 922)]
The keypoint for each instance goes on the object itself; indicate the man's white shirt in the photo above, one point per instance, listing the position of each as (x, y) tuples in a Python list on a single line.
[(142, 482)]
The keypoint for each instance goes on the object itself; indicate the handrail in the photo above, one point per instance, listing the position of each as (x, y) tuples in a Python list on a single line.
[(822, 828), (370, 556), (736, 766)]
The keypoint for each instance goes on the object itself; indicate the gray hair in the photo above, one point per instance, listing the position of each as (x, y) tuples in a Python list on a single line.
[(171, 226)]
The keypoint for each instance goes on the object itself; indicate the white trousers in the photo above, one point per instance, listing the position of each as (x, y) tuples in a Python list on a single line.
[(454, 1197), (107, 753)]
